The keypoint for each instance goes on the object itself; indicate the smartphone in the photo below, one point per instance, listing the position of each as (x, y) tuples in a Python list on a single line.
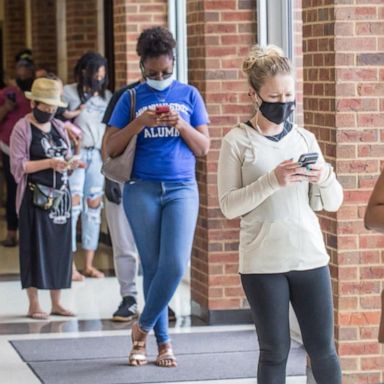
[(71, 160), (308, 158), (11, 96), (160, 109)]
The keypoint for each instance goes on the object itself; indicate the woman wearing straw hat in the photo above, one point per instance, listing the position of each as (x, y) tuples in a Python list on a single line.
[(40, 162)]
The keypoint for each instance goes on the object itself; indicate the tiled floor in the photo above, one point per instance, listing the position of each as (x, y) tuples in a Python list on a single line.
[(93, 301)]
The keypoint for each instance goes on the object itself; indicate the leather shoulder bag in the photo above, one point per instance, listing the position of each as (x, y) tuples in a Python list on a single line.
[(119, 168)]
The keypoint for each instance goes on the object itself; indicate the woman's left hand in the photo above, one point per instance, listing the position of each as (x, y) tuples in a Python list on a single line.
[(316, 173), (172, 119)]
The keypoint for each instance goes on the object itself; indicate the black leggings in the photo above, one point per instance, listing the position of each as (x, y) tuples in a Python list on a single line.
[(311, 297), (10, 212)]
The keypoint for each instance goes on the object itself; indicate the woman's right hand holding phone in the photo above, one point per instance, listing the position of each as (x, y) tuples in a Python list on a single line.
[(288, 173), (148, 118)]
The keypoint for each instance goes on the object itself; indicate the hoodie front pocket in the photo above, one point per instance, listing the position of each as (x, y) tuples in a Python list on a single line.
[(273, 237)]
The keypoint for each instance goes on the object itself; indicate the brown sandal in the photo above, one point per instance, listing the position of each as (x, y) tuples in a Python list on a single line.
[(166, 358), (138, 354)]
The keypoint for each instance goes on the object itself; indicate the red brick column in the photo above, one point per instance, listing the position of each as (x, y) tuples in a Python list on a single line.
[(14, 32), (343, 105), (44, 43), (130, 18), (81, 31), (220, 34)]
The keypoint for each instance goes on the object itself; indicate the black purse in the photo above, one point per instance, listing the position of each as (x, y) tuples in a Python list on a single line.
[(46, 197)]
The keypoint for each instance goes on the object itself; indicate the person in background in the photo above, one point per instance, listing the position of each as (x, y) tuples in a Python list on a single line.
[(13, 106), (41, 158), (24, 54), (283, 258), (374, 214), (161, 201), (374, 220), (41, 72), (91, 96), (125, 255)]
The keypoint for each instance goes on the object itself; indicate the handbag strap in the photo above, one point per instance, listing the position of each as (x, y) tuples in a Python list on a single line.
[(132, 94)]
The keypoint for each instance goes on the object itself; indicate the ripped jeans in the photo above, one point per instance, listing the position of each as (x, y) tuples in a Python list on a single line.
[(88, 184)]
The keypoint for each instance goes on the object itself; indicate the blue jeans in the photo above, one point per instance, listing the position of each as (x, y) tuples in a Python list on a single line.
[(163, 218), (88, 184)]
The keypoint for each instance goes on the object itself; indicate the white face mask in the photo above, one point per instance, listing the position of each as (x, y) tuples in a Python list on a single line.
[(159, 85)]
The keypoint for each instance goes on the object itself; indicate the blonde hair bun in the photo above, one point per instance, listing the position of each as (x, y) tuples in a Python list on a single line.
[(265, 61), (259, 55)]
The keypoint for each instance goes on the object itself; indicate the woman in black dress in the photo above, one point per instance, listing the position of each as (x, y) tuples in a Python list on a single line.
[(40, 162)]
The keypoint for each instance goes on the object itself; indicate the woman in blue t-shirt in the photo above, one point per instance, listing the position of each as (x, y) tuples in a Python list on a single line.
[(161, 200)]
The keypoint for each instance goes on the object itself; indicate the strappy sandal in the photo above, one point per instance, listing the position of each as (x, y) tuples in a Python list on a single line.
[(63, 312), (138, 354), (166, 358)]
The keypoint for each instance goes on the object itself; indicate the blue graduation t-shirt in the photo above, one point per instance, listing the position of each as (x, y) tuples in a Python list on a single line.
[(161, 153)]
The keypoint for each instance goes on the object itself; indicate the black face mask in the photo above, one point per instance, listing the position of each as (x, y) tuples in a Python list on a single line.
[(95, 85), (25, 84), (41, 116), (276, 112)]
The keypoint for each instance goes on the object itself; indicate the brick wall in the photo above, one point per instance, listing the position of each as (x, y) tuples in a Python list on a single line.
[(131, 18), (81, 19), (343, 105), (14, 32), (220, 34), (43, 23)]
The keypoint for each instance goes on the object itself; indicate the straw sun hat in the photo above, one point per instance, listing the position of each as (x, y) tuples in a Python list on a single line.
[(46, 91)]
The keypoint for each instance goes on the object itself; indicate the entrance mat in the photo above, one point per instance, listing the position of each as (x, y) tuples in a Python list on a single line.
[(103, 360)]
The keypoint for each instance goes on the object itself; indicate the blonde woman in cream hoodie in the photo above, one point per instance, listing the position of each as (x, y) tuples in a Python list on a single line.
[(282, 253)]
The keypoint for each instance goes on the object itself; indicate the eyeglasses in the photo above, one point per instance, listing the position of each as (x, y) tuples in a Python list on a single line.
[(155, 76), (158, 76)]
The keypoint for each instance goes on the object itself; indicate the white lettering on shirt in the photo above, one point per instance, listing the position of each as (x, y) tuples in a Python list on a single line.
[(155, 132), (162, 131)]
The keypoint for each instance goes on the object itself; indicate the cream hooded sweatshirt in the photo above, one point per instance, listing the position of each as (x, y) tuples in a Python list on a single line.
[(279, 231)]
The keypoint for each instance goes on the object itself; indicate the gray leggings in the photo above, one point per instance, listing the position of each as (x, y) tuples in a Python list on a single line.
[(311, 297)]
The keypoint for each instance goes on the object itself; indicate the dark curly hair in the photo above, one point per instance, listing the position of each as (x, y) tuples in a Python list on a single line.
[(25, 54), (85, 70), (155, 42)]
